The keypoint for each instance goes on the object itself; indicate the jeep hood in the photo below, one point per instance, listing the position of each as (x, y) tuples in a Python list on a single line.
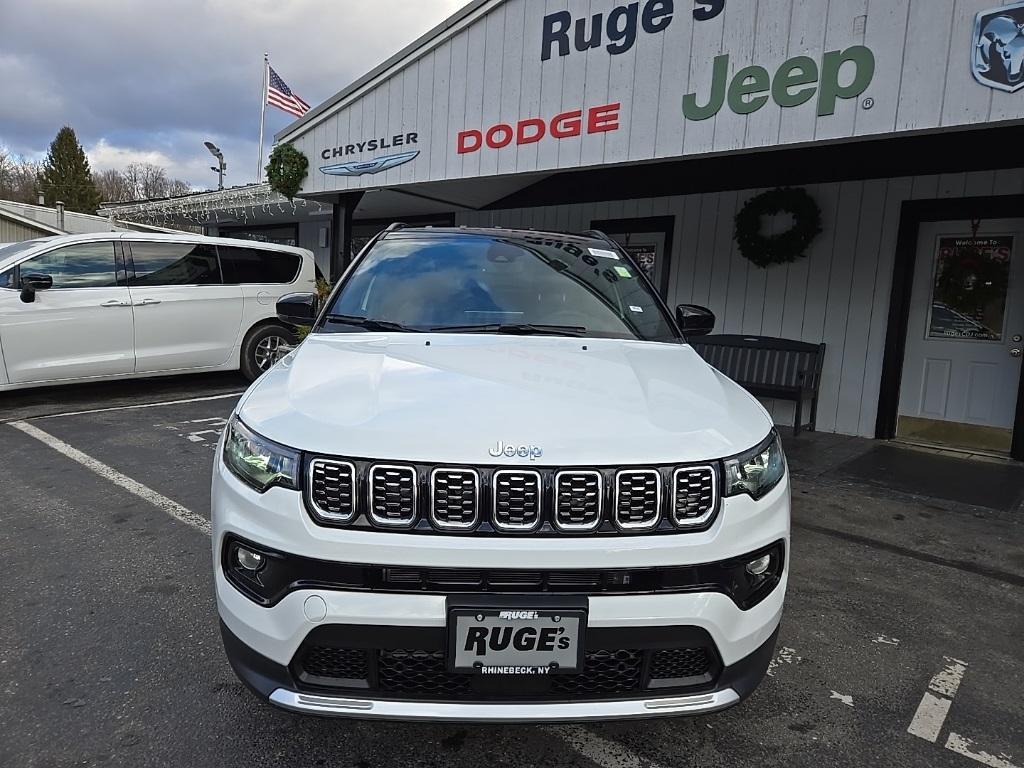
[(450, 398)]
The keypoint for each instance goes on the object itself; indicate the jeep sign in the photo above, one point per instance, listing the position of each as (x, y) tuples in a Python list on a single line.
[(842, 75)]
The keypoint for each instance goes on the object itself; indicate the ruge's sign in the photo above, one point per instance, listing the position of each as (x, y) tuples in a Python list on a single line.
[(619, 29)]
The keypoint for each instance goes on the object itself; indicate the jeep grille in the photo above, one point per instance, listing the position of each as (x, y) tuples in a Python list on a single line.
[(504, 500)]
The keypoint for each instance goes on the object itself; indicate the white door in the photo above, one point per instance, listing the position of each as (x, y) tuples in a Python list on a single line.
[(962, 365), (185, 317), (79, 327)]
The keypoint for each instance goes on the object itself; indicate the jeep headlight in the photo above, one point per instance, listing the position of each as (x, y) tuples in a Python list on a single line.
[(757, 471), (257, 461)]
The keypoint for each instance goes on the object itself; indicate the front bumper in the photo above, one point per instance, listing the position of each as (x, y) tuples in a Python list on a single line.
[(275, 683), (264, 642)]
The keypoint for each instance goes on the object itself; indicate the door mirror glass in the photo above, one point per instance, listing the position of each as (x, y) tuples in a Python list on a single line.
[(33, 282), (695, 320), (36, 281), (297, 308)]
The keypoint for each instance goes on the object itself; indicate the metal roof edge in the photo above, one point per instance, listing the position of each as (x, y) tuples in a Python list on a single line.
[(311, 118), (26, 221)]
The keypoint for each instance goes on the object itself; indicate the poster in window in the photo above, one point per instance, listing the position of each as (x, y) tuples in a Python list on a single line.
[(646, 257), (969, 289)]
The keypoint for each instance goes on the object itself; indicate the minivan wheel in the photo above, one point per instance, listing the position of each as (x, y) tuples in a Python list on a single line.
[(263, 347)]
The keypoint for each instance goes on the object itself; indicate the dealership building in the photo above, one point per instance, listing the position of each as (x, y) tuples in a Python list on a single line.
[(895, 124)]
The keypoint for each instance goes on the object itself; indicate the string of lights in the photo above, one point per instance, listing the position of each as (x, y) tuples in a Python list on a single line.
[(234, 205)]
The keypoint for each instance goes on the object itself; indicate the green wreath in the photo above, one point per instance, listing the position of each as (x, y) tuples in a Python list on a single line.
[(786, 246), (286, 170)]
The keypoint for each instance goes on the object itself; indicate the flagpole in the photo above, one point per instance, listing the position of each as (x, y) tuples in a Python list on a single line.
[(263, 114)]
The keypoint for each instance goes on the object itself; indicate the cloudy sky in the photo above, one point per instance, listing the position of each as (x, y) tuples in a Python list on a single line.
[(151, 80)]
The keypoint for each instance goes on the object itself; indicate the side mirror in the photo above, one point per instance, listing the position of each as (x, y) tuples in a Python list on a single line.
[(33, 282), (297, 308), (695, 320)]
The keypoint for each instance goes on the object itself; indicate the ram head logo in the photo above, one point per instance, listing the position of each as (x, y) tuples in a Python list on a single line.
[(998, 57)]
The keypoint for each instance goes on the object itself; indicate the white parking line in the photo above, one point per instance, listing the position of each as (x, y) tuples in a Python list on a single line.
[(599, 750), (138, 405), (931, 712), (964, 746), (171, 507)]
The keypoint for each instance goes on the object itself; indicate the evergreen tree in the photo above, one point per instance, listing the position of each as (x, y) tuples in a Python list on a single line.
[(66, 175)]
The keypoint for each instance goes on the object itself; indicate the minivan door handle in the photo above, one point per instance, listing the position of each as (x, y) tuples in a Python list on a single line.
[(115, 303), (144, 302)]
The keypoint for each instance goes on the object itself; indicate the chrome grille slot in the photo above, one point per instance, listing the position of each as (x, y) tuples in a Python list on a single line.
[(578, 500), (637, 499), (694, 495), (332, 490), (453, 498), (392, 495), (516, 504)]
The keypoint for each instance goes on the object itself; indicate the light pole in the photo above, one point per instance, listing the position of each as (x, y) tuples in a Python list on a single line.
[(221, 166)]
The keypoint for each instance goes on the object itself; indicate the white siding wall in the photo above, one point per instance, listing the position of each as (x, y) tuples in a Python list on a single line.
[(838, 295), (488, 69), (309, 237)]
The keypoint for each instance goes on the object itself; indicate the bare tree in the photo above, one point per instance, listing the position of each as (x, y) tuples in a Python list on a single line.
[(113, 186), (139, 181), (19, 178)]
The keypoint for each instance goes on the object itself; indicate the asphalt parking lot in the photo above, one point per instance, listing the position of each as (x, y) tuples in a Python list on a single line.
[(901, 645)]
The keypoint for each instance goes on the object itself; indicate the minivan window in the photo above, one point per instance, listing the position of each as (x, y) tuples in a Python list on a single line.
[(257, 265), (13, 249), (82, 265), (174, 264), (468, 283)]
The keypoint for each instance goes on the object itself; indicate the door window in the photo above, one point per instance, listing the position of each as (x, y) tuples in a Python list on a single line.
[(969, 288), (257, 265), (83, 265), (159, 264)]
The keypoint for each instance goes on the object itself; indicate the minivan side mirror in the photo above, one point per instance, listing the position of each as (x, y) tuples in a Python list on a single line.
[(33, 282), (695, 320), (297, 308)]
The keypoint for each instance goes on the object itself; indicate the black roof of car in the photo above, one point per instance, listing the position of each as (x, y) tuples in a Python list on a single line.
[(508, 234)]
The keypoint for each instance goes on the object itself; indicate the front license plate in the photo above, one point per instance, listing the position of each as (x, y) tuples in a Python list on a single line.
[(504, 641)]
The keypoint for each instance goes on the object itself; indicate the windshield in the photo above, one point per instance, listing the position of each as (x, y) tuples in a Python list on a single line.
[(469, 283)]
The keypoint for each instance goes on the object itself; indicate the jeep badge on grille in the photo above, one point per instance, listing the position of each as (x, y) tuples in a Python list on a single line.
[(531, 452)]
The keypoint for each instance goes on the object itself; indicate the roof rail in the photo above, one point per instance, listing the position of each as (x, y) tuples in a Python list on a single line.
[(395, 225)]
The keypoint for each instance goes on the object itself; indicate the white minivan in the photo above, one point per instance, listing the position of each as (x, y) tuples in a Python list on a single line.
[(126, 304), (495, 483)]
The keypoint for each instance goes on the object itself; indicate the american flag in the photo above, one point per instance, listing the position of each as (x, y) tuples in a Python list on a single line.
[(280, 95)]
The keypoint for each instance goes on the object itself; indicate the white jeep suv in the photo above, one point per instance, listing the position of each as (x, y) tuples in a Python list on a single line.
[(496, 484)]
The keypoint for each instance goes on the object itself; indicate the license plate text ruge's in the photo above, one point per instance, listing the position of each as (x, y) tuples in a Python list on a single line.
[(480, 639), (516, 641)]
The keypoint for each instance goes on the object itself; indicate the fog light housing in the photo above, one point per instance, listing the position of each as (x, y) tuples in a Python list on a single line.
[(759, 566), (249, 560)]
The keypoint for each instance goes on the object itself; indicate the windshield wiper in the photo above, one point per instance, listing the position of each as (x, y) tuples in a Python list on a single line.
[(372, 325), (520, 329)]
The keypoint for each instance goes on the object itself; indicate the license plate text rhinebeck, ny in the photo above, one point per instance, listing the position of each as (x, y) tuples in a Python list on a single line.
[(516, 642)]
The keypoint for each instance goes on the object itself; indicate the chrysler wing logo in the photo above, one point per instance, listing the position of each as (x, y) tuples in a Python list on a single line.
[(998, 56), (362, 167)]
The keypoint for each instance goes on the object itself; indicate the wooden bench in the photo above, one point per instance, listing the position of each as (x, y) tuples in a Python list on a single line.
[(778, 368)]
